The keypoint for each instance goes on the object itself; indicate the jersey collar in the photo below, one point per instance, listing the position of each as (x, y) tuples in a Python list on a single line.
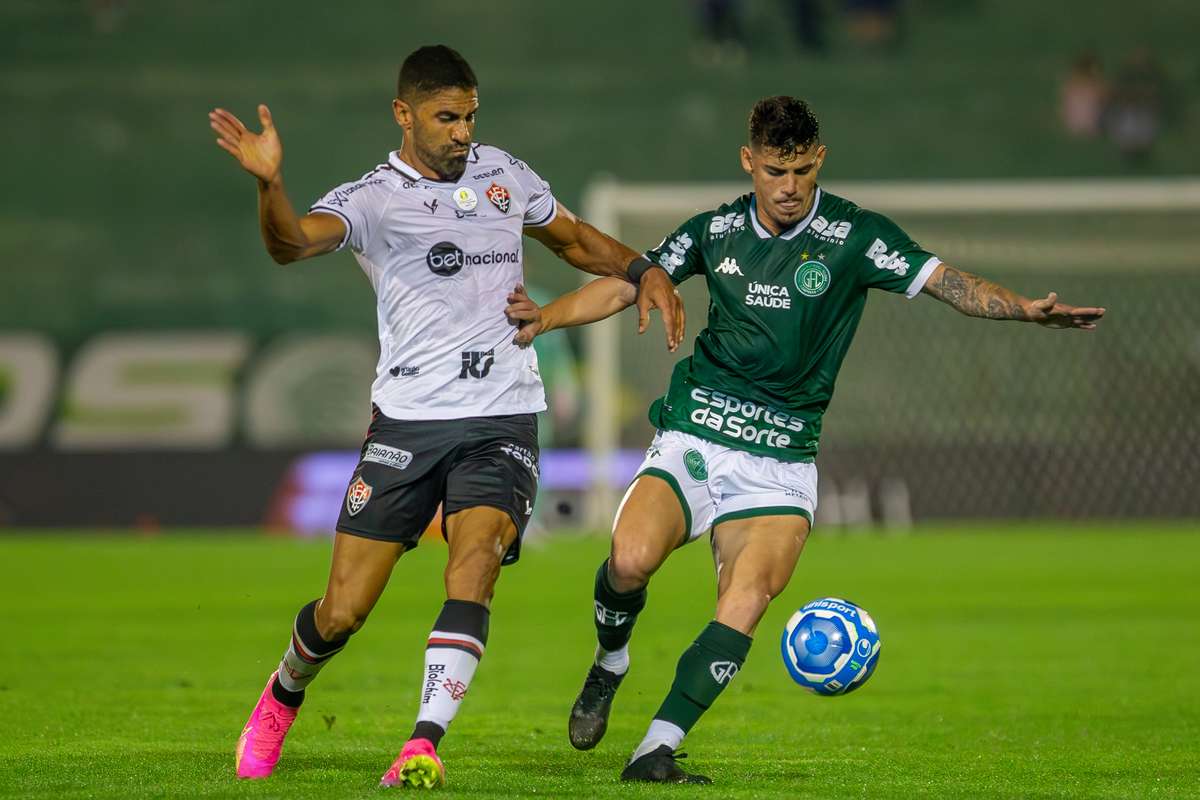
[(790, 233), (410, 172)]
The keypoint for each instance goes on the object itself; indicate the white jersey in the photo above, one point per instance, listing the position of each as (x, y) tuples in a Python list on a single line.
[(442, 257)]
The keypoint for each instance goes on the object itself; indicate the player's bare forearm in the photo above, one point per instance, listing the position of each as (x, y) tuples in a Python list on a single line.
[(583, 246), (975, 296), (288, 236), (594, 301), (979, 297)]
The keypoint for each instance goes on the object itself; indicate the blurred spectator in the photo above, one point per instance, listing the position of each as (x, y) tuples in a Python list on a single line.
[(874, 24), (1083, 97), (808, 24), (1138, 106), (721, 28)]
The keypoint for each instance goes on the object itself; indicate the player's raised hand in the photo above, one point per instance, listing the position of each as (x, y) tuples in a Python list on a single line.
[(260, 154), (1050, 313), (525, 314), (656, 291)]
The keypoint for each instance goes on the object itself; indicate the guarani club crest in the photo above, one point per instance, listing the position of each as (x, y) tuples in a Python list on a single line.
[(694, 462), (357, 495), (499, 196), (812, 278)]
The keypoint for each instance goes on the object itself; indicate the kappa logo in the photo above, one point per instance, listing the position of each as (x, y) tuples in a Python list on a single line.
[(476, 364), (723, 671), (728, 267), (357, 495), (499, 196), (673, 257), (610, 618), (388, 456), (878, 253), (835, 231), (727, 223)]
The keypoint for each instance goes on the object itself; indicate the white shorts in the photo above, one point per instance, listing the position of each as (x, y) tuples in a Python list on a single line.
[(715, 483)]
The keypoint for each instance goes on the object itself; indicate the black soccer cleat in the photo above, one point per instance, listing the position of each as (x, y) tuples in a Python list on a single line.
[(660, 765), (589, 715)]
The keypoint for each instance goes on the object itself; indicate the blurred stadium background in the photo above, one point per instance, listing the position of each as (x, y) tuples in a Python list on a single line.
[(159, 374), (157, 369)]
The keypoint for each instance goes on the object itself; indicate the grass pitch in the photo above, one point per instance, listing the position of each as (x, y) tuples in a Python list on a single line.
[(1047, 661)]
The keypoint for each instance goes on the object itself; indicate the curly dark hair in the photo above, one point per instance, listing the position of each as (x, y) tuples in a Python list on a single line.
[(433, 67), (783, 123)]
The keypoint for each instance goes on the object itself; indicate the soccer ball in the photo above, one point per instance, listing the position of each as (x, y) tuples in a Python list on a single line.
[(830, 646)]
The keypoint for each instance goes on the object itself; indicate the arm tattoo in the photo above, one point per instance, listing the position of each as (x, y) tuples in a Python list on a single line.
[(975, 296)]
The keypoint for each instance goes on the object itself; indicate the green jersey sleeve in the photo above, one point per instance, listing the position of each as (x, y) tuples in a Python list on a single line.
[(891, 259), (679, 253)]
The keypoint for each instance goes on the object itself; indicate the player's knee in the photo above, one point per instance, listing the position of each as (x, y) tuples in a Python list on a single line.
[(631, 565), (335, 621)]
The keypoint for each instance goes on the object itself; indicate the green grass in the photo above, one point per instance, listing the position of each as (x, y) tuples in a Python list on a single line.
[(1046, 661)]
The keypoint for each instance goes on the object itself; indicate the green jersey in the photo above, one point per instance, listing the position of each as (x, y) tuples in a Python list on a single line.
[(782, 313)]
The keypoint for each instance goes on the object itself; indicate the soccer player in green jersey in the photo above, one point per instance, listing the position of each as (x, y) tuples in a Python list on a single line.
[(788, 268)]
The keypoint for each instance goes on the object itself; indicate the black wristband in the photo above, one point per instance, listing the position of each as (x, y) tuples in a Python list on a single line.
[(637, 268)]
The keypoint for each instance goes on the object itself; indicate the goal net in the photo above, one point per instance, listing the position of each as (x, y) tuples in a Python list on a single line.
[(939, 416)]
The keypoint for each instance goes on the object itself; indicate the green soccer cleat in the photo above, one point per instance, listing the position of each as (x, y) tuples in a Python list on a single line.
[(589, 715), (660, 765)]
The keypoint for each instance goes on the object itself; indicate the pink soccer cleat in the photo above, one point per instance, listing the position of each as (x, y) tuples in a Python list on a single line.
[(262, 739), (417, 767)]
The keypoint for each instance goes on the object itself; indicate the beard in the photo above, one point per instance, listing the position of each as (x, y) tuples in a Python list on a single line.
[(448, 165)]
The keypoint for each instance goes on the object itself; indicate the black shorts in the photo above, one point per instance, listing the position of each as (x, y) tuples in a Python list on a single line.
[(407, 468)]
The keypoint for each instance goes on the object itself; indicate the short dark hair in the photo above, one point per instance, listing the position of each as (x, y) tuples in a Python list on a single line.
[(783, 123), (433, 67)]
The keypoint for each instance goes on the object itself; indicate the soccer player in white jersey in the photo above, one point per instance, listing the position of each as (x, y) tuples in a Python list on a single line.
[(437, 229), (788, 269)]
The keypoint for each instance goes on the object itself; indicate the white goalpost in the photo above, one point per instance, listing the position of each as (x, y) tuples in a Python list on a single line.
[(610, 205)]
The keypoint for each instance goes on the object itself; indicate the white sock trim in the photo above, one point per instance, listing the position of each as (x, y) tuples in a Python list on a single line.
[(615, 661), (660, 732)]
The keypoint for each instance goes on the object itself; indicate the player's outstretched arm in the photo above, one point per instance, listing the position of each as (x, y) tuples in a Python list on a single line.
[(979, 297), (287, 236), (590, 250), (594, 301)]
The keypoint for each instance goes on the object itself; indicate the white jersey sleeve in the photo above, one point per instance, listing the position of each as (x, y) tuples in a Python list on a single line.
[(360, 204), (541, 207)]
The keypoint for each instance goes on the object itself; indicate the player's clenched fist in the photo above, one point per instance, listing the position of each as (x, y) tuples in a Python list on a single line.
[(260, 154)]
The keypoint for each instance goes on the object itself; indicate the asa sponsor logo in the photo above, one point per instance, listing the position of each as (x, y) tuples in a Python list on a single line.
[(357, 495), (768, 295), (522, 455), (723, 671), (339, 197), (879, 255), (393, 457), (812, 278), (834, 232), (447, 258), (726, 223), (673, 257), (476, 364), (728, 267), (499, 197)]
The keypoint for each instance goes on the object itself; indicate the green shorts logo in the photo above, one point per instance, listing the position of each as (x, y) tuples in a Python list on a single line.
[(695, 465), (812, 278)]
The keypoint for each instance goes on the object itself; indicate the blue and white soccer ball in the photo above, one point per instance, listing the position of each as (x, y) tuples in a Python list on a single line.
[(830, 646)]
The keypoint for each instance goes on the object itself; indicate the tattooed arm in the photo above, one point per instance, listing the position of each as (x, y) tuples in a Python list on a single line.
[(978, 297)]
